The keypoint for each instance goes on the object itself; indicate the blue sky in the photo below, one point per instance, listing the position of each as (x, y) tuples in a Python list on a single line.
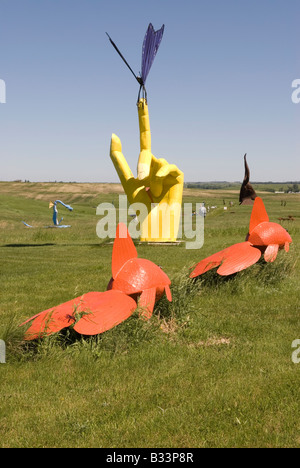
[(220, 86)]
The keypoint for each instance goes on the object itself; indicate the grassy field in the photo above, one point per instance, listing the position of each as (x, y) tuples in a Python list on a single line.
[(212, 369)]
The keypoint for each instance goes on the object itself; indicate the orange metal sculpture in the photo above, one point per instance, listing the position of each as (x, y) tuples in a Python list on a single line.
[(96, 312), (264, 238), (137, 277), (89, 314)]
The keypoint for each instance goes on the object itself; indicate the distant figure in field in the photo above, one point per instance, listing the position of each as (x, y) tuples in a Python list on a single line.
[(247, 192), (203, 210)]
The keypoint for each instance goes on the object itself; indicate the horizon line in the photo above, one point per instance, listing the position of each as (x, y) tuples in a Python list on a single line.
[(119, 183)]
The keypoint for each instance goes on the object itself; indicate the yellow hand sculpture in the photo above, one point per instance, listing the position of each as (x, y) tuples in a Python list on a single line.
[(157, 189)]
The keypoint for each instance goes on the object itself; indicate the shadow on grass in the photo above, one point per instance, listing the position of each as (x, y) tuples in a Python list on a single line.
[(51, 244), (28, 245)]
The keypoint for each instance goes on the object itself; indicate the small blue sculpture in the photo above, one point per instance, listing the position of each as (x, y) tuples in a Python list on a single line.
[(56, 223), (55, 213)]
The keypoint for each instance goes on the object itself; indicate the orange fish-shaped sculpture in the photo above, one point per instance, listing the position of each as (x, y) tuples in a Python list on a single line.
[(264, 237), (136, 277)]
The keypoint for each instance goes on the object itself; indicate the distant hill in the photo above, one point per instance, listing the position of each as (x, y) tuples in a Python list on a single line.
[(259, 186)]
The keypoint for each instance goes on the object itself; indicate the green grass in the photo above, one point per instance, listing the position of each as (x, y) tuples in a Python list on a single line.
[(211, 369)]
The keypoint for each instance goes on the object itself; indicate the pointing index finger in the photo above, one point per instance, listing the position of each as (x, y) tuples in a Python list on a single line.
[(145, 134), (145, 158)]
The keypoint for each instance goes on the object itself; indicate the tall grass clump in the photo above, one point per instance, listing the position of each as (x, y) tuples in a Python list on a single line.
[(121, 339), (12, 335)]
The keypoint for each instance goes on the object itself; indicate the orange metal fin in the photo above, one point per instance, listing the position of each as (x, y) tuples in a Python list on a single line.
[(168, 293), (123, 249), (208, 263), (271, 253), (147, 302), (103, 311), (32, 318), (259, 214), (53, 320), (239, 257)]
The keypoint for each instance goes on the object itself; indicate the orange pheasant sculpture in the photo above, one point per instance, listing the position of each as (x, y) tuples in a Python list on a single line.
[(264, 238)]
